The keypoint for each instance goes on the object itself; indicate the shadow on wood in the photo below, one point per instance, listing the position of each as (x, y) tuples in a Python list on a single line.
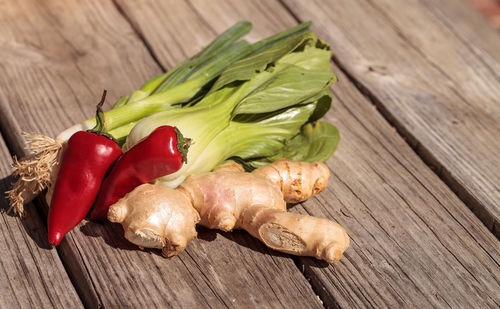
[(206, 234), (112, 234), (32, 226), (242, 238)]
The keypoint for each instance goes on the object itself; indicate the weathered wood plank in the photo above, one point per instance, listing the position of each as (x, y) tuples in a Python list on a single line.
[(31, 275), (58, 58), (414, 243), (433, 69)]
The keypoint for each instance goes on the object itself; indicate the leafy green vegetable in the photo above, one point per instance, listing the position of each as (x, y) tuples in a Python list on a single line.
[(316, 142), (206, 57), (187, 83), (252, 103), (255, 110), (266, 54)]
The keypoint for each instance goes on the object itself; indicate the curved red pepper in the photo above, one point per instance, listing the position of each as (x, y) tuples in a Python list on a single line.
[(161, 153), (83, 166)]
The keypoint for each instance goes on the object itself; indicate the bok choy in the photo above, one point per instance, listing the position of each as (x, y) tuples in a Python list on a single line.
[(248, 102), (184, 84), (262, 107)]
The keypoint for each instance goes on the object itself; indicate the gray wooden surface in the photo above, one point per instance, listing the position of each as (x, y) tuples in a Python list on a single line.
[(68, 63), (433, 68), (414, 242), (31, 274)]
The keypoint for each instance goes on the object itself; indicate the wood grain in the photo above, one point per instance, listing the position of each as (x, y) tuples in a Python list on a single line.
[(414, 243), (31, 274), (433, 70), (57, 59)]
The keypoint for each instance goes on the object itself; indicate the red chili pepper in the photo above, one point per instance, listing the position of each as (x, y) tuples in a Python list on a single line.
[(159, 154), (88, 156)]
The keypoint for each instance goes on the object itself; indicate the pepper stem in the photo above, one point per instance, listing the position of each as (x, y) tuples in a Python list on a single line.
[(183, 144), (100, 126)]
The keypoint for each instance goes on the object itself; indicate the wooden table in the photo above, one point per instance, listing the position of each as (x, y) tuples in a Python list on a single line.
[(416, 177)]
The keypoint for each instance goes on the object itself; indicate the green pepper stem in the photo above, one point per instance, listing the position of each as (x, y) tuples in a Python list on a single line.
[(183, 144), (100, 126)]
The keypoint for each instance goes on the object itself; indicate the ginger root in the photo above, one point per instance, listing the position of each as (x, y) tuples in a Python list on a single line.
[(297, 180), (221, 197), (229, 198), (296, 234), (156, 217)]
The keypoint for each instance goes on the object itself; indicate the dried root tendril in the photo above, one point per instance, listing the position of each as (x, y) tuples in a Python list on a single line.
[(33, 172)]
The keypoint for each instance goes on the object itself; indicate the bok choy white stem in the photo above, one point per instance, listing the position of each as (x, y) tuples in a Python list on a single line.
[(254, 109)]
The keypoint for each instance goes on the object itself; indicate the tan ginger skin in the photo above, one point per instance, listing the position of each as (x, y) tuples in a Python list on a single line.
[(155, 216), (228, 198)]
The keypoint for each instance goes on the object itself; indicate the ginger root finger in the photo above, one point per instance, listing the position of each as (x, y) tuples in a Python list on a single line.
[(297, 180), (220, 197), (154, 216), (295, 233)]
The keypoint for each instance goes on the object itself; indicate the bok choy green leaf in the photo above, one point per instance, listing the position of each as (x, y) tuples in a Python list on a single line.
[(253, 103), (256, 110), (186, 83)]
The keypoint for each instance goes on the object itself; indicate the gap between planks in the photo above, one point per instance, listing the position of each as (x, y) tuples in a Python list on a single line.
[(36, 215), (139, 35), (422, 152), (78, 271), (141, 38), (41, 210), (353, 81)]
